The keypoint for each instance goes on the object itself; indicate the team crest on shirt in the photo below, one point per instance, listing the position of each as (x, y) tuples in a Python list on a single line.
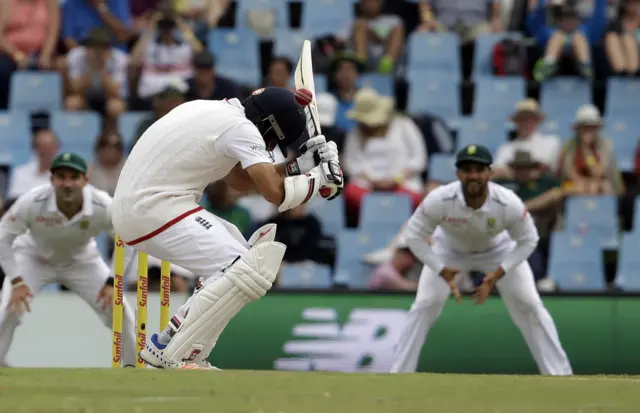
[(491, 223), (84, 224)]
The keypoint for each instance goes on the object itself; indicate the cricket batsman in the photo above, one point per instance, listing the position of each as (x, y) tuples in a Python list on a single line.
[(477, 225), (156, 206), (48, 237)]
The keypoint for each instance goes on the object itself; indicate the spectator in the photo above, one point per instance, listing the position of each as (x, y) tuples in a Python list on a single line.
[(588, 162), (544, 148), (621, 40), (542, 194), (279, 73), (37, 171), (378, 38), (327, 108), (569, 40), (220, 200), (468, 18), (109, 153), (302, 233), (29, 37), (79, 17), (161, 56), (385, 152), (97, 75), (206, 84), (164, 102), (344, 70)]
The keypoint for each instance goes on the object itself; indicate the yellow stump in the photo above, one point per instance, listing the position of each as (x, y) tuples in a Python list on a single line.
[(165, 294), (118, 310), (141, 313)]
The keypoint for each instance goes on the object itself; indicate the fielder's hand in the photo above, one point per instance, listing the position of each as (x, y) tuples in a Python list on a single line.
[(488, 282), (105, 297), (20, 299), (449, 275)]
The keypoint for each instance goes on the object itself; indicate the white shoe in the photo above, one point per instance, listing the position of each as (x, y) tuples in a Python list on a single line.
[(378, 257), (546, 285), (205, 365), (153, 355)]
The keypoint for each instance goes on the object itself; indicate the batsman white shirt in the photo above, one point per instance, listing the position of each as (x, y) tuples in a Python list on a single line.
[(502, 227), (39, 228), (197, 143)]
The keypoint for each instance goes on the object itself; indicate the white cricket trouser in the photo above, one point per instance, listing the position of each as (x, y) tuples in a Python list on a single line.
[(85, 278), (518, 292), (201, 243)]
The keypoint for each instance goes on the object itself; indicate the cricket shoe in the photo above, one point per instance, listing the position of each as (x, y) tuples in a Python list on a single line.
[(153, 355)]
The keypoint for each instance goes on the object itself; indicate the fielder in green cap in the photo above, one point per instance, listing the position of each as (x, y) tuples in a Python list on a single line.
[(69, 177), (473, 164)]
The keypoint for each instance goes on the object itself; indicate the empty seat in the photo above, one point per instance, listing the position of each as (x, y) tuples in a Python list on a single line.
[(308, 275), (576, 262), (390, 210), (352, 246), (628, 276), (15, 136), (474, 131), (593, 214), (321, 17), (383, 84), (622, 97), (76, 127), (237, 54), (435, 93), (561, 93), (442, 168), (279, 8), (288, 43), (35, 91), (330, 213), (496, 97), (559, 123), (434, 52), (624, 134), (128, 124)]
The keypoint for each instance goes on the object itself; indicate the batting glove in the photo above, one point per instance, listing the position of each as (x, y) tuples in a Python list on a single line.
[(309, 158)]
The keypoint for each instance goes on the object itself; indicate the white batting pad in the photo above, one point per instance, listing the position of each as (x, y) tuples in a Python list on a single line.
[(219, 301), (265, 233)]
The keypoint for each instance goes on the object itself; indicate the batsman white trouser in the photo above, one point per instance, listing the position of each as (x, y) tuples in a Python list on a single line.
[(519, 294), (85, 278)]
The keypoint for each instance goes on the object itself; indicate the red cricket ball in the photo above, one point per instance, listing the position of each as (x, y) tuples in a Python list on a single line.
[(303, 97)]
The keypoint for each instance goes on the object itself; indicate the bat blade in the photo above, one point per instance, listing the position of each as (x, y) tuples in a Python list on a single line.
[(304, 80)]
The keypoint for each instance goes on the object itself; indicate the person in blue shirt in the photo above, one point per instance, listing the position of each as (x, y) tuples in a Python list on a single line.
[(79, 17), (344, 71), (568, 38)]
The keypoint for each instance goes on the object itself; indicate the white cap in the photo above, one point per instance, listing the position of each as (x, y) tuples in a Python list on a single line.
[(327, 108), (588, 115)]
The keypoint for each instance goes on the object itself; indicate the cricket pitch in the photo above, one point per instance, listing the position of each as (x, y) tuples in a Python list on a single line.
[(158, 391)]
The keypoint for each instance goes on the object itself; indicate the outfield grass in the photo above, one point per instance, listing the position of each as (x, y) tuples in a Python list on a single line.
[(157, 391)]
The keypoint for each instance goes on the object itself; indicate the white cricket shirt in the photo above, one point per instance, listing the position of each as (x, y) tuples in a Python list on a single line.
[(501, 225), (197, 143), (44, 232)]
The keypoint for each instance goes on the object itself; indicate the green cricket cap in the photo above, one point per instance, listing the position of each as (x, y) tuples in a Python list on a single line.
[(474, 154), (69, 160)]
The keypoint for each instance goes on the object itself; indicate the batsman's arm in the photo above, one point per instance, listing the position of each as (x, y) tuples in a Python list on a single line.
[(13, 224), (421, 227)]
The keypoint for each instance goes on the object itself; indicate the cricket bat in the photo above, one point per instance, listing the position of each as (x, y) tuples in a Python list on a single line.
[(304, 80)]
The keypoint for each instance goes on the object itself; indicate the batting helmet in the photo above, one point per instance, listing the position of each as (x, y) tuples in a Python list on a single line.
[(279, 118)]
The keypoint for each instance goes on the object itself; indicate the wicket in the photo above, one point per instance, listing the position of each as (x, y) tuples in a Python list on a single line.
[(141, 302)]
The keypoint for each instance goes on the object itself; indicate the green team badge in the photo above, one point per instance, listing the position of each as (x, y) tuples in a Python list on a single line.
[(471, 150), (84, 224), (491, 223), (66, 157)]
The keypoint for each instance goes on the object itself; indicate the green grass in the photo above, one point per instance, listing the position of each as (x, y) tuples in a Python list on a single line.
[(157, 391)]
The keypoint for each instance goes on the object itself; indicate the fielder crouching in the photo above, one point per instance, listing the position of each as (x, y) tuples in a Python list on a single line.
[(156, 206), (47, 236)]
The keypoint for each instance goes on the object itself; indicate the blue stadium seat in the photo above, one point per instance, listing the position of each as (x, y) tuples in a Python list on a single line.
[(435, 93), (330, 213), (383, 84), (594, 214), (434, 52), (352, 246), (491, 134), (128, 126), (483, 54), (622, 97), (636, 216), (237, 54), (321, 17), (288, 43), (559, 123), (15, 136), (305, 275), (576, 262), (76, 128), (496, 97), (562, 93), (280, 7), (389, 210), (320, 82), (628, 276), (624, 134), (35, 91), (442, 168)]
